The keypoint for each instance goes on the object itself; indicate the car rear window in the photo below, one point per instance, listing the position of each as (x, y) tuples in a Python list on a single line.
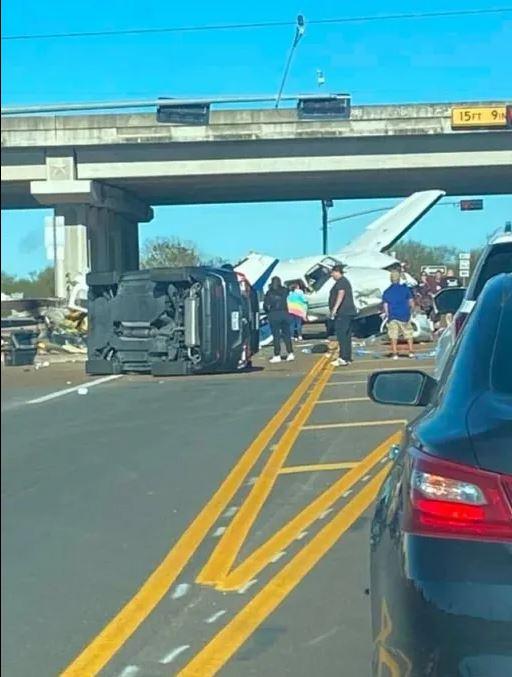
[(498, 261), (501, 373)]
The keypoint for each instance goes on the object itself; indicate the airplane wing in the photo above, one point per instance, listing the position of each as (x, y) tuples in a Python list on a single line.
[(382, 233), (257, 268)]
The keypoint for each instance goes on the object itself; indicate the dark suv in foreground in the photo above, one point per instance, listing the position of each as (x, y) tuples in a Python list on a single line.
[(441, 539)]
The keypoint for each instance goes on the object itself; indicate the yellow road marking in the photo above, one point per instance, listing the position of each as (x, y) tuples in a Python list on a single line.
[(222, 558), (344, 399), (260, 557), (292, 469), (385, 657), (344, 383), (226, 642), (354, 424), (105, 645)]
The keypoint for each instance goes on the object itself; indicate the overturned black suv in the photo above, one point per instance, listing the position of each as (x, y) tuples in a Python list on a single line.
[(171, 321)]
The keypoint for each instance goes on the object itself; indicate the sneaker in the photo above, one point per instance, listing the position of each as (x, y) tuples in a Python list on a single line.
[(275, 360), (299, 338), (412, 356), (290, 357), (395, 357), (339, 363)]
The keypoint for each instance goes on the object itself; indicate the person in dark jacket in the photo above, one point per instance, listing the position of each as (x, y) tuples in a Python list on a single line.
[(275, 305), (343, 312)]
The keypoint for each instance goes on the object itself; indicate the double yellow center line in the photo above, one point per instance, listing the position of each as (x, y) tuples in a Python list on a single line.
[(228, 548), (218, 570), (226, 642), (107, 643)]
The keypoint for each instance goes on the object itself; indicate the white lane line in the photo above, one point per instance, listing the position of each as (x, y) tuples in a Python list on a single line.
[(277, 557), (129, 671), (218, 532), (347, 493), (320, 638), (180, 590), (325, 513), (365, 478), (302, 535), (174, 654), (344, 383), (344, 400), (216, 616), (75, 389), (231, 511), (246, 587), (354, 424)]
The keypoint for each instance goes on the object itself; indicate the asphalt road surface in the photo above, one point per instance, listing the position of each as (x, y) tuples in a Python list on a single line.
[(191, 526)]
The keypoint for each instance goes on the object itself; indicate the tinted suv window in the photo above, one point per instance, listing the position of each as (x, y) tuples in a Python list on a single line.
[(502, 361), (498, 261)]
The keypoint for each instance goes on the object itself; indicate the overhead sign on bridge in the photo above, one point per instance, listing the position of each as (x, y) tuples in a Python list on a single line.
[(482, 117)]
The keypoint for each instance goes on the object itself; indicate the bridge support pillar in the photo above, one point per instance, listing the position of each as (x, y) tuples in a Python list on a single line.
[(110, 217), (112, 238)]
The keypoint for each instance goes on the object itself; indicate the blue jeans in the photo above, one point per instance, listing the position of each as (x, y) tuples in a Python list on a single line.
[(295, 326)]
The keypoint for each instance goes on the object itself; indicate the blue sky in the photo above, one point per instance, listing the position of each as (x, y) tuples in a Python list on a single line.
[(464, 58)]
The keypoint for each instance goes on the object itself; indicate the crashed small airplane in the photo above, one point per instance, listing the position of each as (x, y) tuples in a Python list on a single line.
[(366, 263)]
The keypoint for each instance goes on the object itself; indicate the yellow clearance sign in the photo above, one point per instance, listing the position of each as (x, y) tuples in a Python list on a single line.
[(479, 116)]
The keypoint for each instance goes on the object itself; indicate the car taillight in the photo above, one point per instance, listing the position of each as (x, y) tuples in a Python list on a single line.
[(458, 321), (457, 501)]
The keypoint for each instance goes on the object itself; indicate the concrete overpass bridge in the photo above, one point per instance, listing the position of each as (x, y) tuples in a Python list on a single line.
[(105, 172)]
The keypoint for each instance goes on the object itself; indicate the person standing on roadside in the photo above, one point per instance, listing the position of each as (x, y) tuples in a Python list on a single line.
[(404, 271), (275, 305), (343, 311), (439, 281), (451, 280), (398, 306), (298, 309), (424, 294)]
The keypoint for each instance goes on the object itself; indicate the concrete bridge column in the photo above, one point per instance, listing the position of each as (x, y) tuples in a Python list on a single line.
[(109, 215), (112, 238)]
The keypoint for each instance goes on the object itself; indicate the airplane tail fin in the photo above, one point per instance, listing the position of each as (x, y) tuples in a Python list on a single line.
[(257, 268), (382, 233)]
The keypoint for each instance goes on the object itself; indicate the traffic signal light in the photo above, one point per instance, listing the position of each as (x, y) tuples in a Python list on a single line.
[(471, 205)]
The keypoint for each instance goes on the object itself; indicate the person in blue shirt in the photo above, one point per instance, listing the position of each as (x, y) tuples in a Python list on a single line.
[(398, 307)]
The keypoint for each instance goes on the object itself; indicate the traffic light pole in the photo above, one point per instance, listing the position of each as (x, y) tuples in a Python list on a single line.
[(325, 226)]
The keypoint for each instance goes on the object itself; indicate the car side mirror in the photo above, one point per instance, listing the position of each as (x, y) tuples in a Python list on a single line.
[(401, 387), (448, 301)]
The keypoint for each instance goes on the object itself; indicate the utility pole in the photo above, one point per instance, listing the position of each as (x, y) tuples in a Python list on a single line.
[(326, 205), (299, 32)]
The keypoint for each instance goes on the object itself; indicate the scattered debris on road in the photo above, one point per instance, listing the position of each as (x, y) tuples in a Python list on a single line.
[(37, 327)]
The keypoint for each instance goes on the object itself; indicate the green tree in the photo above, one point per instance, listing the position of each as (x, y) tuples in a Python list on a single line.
[(37, 285), (214, 261), (419, 254), (164, 252)]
